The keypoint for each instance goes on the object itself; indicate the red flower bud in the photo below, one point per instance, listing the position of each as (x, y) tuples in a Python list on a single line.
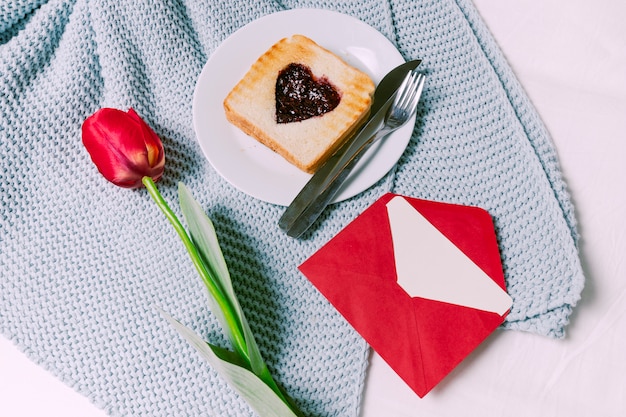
[(123, 147)]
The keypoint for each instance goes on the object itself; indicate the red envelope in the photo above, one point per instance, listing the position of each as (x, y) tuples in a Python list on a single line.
[(421, 281)]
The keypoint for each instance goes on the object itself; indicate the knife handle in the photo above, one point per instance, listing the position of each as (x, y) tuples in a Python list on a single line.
[(315, 208), (311, 189)]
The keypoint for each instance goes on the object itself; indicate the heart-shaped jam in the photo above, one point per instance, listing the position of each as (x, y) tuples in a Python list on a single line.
[(300, 95)]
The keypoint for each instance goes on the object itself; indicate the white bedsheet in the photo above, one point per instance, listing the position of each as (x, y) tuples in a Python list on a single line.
[(571, 59)]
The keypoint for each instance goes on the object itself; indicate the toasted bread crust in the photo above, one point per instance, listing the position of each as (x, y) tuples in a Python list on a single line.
[(250, 105)]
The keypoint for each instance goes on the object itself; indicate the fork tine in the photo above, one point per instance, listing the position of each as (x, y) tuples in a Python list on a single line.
[(413, 96), (412, 91), (405, 88), (408, 94), (417, 92), (400, 91)]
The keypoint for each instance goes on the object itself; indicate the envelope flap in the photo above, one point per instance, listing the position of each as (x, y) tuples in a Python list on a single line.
[(431, 266)]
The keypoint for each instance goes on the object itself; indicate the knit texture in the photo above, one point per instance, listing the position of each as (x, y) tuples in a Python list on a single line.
[(83, 263)]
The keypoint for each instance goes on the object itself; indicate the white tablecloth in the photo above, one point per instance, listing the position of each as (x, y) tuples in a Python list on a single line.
[(571, 59)]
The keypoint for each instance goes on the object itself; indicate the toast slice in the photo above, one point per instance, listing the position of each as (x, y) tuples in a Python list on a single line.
[(300, 100)]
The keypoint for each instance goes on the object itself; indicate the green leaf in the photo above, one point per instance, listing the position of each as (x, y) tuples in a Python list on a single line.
[(220, 303), (203, 234), (205, 239), (207, 257), (264, 401)]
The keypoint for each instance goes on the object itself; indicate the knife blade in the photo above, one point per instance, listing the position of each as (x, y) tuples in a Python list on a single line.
[(329, 170)]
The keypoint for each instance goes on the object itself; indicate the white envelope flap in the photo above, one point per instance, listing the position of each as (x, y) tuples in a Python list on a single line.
[(429, 265)]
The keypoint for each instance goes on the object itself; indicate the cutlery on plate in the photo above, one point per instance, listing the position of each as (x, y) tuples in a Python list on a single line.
[(313, 199), (385, 89)]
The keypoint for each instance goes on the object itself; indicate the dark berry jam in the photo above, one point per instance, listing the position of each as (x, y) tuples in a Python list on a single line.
[(300, 95)]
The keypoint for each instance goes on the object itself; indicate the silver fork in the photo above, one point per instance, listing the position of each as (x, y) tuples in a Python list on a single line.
[(399, 112)]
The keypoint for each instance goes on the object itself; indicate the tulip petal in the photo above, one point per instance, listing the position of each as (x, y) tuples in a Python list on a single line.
[(123, 147), (152, 142)]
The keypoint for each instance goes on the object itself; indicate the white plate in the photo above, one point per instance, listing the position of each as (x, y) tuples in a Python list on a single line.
[(249, 165)]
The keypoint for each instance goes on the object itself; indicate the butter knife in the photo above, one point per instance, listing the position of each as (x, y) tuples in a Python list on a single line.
[(329, 170)]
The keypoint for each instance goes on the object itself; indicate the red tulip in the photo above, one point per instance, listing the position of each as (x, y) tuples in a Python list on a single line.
[(123, 147)]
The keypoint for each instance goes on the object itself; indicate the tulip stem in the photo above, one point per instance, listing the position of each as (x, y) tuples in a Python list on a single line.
[(215, 290)]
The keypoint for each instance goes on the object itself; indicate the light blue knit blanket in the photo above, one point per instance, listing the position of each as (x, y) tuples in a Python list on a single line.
[(83, 263)]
